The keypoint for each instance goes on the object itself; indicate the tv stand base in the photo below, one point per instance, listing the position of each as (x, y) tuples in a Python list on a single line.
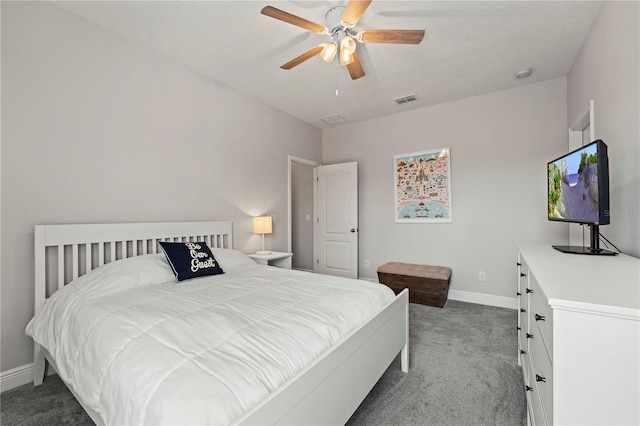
[(585, 250)]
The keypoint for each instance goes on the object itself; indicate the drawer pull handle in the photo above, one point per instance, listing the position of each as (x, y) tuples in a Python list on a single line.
[(519, 328), (529, 336), (518, 264), (529, 290), (518, 294), (528, 388), (540, 317), (523, 310), (540, 379), (522, 274), (523, 352)]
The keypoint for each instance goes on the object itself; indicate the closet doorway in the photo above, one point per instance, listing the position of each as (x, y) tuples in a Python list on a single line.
[(301, 212)]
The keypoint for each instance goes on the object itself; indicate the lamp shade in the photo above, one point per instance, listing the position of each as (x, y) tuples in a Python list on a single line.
[(347, 46), (346, 59), (262, 225), (329, 52)]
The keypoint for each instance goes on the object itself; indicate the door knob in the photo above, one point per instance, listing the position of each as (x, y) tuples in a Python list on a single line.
[(353, 229)]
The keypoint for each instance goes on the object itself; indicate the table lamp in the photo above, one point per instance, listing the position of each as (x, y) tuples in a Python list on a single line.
[(262, 225)]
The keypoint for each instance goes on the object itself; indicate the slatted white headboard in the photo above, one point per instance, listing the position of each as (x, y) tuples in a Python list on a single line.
[(65, 252)]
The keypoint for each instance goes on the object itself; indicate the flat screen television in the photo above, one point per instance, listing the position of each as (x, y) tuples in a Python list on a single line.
[(578, 192)]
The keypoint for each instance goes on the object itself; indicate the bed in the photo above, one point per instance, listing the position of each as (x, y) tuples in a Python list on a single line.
[(325, 387)]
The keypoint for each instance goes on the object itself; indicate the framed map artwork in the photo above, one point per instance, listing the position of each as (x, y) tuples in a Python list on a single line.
[(423, 186)]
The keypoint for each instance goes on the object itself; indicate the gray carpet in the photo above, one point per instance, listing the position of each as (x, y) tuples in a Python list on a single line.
[(462, 371)]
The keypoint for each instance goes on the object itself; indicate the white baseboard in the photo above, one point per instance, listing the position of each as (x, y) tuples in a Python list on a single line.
[(483, 299), (16, 377), (478, 298)]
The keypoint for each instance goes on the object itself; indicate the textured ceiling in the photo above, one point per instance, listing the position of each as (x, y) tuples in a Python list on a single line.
[(469, 48)]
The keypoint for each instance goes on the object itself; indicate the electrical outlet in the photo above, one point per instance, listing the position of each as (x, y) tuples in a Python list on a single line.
[(367, 264), (482, 276)]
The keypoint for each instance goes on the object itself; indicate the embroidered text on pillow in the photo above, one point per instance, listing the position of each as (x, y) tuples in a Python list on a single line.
[(197, 261), (190, 260)]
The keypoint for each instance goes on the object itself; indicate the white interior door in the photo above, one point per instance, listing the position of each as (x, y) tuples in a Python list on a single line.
[(336, 218)]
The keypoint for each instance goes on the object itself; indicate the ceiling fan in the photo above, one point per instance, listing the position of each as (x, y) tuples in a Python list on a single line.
[(340, 21)]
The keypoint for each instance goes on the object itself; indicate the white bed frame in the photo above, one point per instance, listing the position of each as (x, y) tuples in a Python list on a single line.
[(327, 392)]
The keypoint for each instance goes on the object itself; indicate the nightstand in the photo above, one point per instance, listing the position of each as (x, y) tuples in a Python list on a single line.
[(275, 258)]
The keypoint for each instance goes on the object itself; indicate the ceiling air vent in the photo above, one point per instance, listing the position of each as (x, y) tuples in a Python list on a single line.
[(405, 99), (332, 120)]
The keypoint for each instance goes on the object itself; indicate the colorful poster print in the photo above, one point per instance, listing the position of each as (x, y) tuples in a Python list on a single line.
[(423, 186)]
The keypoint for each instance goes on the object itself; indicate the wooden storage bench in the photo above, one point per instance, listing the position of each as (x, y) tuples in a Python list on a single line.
[(428, 285)]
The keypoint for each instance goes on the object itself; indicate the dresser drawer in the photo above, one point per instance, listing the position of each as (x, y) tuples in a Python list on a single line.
[(523, 342), (523, 276), (541, 321), (541, 373), (541, 315), (524, 314), (535, 411), (526, 368), (523, 307)]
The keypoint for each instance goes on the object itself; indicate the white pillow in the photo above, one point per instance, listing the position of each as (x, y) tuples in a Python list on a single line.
[(230, 258), (123, 274)]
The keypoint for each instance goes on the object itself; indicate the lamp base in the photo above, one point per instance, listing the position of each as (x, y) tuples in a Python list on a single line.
[(263, 252)]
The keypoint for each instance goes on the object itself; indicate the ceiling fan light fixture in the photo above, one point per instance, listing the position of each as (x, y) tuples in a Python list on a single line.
[(340, 21), (347, 45), (346, 59), (329, 52)]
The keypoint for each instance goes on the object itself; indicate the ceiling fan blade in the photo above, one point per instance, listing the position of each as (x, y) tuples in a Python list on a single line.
[(287, 17), (355, 68), (300, 59), (391, 36), (353, 12)]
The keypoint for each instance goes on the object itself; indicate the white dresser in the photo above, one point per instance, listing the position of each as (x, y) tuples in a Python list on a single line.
[(579, 337)]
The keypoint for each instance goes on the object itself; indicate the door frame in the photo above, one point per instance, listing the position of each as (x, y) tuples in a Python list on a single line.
[(293, 159), (586, 118)]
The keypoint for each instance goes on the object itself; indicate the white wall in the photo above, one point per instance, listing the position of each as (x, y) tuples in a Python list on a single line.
[(500, 144), (607, 70), (98, 130)]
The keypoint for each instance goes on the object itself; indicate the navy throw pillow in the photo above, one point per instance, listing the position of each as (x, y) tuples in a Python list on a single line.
[(190, 260)]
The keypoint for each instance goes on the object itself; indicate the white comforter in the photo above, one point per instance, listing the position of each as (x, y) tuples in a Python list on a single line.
[(139, 348)]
